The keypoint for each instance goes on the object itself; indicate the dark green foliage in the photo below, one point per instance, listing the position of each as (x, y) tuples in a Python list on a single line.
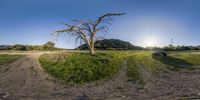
[(19, 47), (109, 44), (49, 46), (169, 48), (81, 67)]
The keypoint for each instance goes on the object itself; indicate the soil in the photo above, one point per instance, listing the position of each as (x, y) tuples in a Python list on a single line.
[(25, 79)]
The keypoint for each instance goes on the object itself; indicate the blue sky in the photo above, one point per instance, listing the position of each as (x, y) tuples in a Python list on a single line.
[(146, 23)]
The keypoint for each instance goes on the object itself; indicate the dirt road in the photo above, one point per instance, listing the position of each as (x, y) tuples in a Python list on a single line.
[(26, 80)]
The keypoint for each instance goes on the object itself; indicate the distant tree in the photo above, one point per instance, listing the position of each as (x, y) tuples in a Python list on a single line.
[(196, 48), (49, 46), (19, 47), (87, 30), (169, 48)]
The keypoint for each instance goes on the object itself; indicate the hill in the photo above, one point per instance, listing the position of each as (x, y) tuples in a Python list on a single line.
[(112, 44)]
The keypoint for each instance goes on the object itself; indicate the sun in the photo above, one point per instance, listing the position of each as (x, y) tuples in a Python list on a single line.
[(150, 42)]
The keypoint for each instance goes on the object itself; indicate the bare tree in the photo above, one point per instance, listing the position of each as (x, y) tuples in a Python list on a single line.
[(87, 30)]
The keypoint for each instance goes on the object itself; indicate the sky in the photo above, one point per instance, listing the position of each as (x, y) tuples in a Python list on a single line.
[(146, 23)]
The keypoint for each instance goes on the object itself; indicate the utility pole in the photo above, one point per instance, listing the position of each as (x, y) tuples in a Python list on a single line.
[(172, 42)]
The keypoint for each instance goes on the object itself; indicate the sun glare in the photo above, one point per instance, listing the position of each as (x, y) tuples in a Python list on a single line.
[(150, 42)]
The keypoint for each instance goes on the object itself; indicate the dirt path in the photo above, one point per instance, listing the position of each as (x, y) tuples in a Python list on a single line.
[(26, 80), (175, 85)]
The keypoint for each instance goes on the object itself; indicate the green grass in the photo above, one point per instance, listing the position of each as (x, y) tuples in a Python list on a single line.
[(174, 61), (133, 70), (144, 60), (6, 59), (81, 67), (194, 59)]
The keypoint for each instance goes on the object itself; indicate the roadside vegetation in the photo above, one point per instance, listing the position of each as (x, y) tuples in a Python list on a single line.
[(194, 59), (6, 59), (141, 63), (83, 68), (180, 60), (151, 64)]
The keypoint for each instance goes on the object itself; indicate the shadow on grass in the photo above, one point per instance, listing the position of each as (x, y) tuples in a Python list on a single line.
[(174, 63)]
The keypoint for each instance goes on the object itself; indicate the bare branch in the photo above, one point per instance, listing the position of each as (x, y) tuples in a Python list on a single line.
[(66, 24), (62, 31), (100, 19), (103, 29), (85, 29), (88, 27)]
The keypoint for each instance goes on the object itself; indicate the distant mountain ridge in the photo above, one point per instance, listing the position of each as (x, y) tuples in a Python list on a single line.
[(5, 47), (110, 44)]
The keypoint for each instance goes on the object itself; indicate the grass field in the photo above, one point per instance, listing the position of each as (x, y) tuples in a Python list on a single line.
[(6, 59), (83, 68)]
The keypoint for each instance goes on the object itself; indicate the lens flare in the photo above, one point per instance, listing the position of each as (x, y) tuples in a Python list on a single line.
[(150, 42)]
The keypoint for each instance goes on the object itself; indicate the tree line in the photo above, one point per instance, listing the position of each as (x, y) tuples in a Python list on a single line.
[(49, 46), (181, 48), (175, 48)]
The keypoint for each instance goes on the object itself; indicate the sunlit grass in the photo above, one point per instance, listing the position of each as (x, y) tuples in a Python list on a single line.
[(191, 58), (81, 67), (6, 59), (139, 60), (174, 61)]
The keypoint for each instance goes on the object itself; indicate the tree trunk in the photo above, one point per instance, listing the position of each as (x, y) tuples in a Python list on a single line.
[(92, 45), (92, 51)]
